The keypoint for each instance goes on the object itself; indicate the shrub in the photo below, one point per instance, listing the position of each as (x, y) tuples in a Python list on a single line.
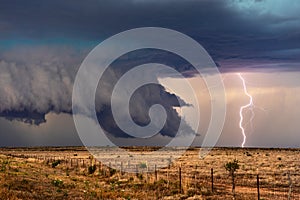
[(231, 167), (112, 171), (92, 169), (5, 164), (140, 176), (143, 165), (55, 163)]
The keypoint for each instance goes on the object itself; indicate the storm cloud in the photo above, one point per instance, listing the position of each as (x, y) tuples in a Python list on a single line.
[(42, 81), (42, 44), (229, 30)]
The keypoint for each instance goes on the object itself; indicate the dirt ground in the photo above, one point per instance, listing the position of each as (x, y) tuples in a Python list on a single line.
[(73, 173)]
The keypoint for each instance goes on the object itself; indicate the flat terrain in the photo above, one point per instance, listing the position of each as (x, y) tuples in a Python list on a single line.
[(73, 173)]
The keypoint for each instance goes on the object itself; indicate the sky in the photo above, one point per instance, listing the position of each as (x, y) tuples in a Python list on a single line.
[(43, 43)]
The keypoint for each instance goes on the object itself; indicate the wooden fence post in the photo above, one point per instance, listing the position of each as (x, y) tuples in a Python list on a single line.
[(257, 182), (147, 172), (136, 170), (195, 177), (212, 179), (155, 172), (109, 167), (290, 185), (100, 168), (121, 168), (168, 182), (180, 190)]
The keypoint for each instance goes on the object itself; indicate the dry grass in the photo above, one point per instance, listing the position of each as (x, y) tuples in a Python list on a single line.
[(29, 174)]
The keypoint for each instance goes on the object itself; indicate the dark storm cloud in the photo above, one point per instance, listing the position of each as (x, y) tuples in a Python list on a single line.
[(41, 82), (222, 27), (145, 96), (36, 81), (93, 19)]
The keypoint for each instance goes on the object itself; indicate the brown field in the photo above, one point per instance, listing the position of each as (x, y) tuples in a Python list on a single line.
[(66, 173)]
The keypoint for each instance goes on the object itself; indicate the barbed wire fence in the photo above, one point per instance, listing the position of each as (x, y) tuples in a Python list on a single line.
[(184, 179)]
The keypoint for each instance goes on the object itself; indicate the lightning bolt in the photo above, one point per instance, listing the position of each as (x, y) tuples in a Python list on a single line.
[(249, 106)]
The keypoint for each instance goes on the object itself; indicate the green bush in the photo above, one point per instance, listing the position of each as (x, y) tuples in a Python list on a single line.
[(143, 165), (55, 163), (92, 169), (232, 167)]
